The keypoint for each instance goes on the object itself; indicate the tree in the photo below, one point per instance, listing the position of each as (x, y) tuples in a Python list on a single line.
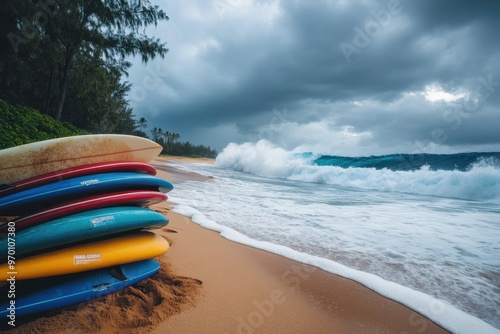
[(106, 28), (60, 55), (159, 137), (142, 123), (154, 132), (20, 48)]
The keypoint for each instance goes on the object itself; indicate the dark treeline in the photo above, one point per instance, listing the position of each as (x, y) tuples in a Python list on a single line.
[(67, 58), (171, 146)]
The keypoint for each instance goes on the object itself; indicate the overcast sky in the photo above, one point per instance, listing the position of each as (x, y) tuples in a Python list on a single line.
[(331, 76)]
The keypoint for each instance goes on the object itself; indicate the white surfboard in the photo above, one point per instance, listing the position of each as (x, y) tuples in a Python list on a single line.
[(21, 162)]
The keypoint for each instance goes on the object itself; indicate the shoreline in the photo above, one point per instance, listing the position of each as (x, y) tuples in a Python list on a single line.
[(249, 290)]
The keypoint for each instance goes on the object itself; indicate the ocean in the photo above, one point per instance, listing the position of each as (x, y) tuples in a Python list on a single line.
[(421, 229)]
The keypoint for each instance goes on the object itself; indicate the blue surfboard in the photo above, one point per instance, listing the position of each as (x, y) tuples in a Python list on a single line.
[(34, 199), (43, 295), (83, 226)]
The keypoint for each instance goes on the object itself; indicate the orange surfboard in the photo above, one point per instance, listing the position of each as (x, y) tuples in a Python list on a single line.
[(87, 256)]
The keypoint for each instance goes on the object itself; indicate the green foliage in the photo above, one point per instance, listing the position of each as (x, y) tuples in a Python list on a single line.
[(189, 150), (172, 147), (22, 125)]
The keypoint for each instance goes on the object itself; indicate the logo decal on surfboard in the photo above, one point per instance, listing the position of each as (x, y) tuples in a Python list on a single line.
[(86, 259), (89, 182), (101, 221), (101, 287)]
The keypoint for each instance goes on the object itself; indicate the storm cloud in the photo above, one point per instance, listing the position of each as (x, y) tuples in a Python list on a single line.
[(339, 77)]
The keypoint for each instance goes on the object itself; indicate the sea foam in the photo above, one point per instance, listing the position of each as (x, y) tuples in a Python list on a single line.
[(437, 310)]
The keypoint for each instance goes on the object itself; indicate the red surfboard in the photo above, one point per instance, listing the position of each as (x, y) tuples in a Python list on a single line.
[(142, 198), (104, 167)]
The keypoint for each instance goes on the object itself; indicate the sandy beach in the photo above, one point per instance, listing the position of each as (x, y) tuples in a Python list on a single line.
[(208, 284)]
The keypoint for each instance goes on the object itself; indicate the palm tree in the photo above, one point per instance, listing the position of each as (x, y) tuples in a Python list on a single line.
[(167, 134), (154, 132), (143, 123), (160, 137)]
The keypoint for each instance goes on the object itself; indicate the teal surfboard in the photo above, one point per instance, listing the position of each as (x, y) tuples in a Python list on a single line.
[(83, 226)]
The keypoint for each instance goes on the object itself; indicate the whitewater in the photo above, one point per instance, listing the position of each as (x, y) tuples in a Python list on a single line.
[(422, 230)]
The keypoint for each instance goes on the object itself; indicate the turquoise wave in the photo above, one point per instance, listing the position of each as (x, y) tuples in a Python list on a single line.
[(408, 162)]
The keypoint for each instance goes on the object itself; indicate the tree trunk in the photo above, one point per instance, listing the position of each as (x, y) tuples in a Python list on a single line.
[(64, 83), (49, 89)]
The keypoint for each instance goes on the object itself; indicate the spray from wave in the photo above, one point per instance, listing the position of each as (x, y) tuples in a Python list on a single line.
[(470, 176)]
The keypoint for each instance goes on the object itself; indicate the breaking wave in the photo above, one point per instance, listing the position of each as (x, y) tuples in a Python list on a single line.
[(470, 176)]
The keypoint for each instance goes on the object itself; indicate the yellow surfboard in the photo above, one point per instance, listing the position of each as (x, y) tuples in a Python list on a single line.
[(21, 162), (89, 256)]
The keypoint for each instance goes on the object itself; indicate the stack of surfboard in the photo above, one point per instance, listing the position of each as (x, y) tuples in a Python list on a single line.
[(74, 211)]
